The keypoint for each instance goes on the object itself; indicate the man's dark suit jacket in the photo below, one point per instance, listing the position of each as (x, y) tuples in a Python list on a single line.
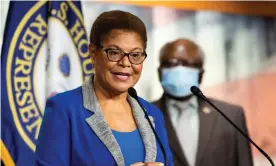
[(220, 144)]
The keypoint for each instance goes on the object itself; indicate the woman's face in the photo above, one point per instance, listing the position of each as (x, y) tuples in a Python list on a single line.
[(117, 76)]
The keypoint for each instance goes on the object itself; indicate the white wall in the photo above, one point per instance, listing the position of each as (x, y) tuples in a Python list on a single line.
[(3, 14)]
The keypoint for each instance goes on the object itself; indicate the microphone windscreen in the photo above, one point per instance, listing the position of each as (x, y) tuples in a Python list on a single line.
[(196, 91), (132, 92)]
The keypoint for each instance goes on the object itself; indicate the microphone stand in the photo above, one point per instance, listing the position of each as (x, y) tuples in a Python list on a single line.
[(132, 92), (197, 92)]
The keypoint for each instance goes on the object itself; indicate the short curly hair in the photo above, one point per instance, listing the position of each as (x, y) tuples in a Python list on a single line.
[(117, 19)]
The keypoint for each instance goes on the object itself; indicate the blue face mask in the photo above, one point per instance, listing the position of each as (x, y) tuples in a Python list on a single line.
[(177, 81)]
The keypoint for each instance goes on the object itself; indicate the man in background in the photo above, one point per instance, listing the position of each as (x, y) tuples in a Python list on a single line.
[(198, 135)]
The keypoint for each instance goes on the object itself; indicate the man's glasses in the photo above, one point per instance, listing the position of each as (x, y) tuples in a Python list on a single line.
[(116, 54), (172, 62)]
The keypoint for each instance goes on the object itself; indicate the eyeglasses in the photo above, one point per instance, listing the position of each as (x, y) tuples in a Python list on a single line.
[(116, 54), (172, 62)]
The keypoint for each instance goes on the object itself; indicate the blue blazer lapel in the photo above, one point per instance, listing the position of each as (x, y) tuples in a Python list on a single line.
[(145, 130)]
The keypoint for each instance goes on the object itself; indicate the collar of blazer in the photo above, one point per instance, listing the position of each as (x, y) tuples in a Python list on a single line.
[(208, 119), (102, 130), (207, 124)]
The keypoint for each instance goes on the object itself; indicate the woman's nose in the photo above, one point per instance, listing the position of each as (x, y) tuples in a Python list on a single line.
[(125, 62)]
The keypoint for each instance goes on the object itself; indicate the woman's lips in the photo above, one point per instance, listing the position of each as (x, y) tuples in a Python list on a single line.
[(121, 76)]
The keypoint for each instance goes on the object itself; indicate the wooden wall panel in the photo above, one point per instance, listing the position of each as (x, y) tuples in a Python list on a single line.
[(257, 8)]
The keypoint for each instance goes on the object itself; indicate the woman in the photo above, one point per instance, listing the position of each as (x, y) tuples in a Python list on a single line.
[(99, 123)]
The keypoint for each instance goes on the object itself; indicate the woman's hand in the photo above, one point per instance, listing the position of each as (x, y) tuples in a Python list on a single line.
[(138, 164), (147, 164)]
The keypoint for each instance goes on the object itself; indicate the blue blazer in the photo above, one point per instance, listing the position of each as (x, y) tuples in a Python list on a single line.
[(74, 132)]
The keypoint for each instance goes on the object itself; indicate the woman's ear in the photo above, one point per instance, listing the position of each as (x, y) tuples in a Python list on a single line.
[(92, 52)]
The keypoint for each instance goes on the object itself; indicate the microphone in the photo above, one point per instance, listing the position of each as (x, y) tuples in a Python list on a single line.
[(132, 92), (197, 92)]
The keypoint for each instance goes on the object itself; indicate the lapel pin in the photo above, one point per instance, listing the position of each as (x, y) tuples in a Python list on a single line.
[(206, 110)]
